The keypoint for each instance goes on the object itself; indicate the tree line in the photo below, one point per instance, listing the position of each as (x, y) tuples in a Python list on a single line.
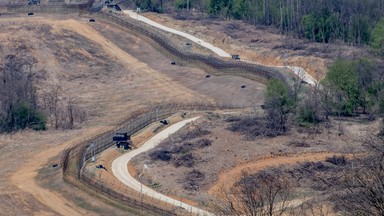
[(350, 88), (18, 98), (22, 107), (326, 21)]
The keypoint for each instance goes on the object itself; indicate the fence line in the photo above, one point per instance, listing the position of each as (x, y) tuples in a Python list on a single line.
[(212, 62), (161, 39), (73, 159)]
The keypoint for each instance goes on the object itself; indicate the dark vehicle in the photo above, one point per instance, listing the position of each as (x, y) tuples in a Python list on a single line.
[(30, 14), (235, 56), (92, 20), (164, 122), (121, 137)]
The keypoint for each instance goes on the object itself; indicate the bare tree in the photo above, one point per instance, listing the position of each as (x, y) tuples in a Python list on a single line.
[(63, 114), (265, 193), (364, 184), (18, 98)]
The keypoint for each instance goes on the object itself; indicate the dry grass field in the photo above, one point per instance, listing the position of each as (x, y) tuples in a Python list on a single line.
[(261, 44), (109, 72), (222, 156)]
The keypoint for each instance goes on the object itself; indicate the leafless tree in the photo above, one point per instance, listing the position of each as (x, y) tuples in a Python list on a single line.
[(260, 194), (364, 184), (63, 113), (18, 98)]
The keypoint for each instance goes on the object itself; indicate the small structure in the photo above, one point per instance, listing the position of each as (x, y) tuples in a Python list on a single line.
[(92, 20), (235, 56), (114, 6), (30, 14), (122, 140), (164, 122)]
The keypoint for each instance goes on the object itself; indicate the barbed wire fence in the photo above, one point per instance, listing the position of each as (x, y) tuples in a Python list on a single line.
[(210, 62), (74, 159), (162, 40)]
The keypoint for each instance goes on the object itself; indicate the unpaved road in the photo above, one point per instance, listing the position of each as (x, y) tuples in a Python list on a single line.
[(120, 169), (25, 179), (230, 177), (298, 71), (207, 45)]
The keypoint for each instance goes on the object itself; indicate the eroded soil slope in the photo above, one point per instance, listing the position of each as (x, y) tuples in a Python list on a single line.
[(205, 157), (261, 44), (109, 72)]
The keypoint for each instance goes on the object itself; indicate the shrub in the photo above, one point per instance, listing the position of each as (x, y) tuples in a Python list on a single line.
[(201, 143), (193, 179), (196, 132), (22, 116), (296, 143), (337, 160), (162, 155), (186, 160)]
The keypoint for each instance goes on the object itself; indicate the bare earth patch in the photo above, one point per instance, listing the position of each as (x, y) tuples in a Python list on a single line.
[(222, 162), (99, 65), (261, 44)]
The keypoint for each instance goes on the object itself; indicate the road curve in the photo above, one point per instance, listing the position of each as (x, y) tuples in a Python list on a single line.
[(207, 45), (120, 169), (300, 72)]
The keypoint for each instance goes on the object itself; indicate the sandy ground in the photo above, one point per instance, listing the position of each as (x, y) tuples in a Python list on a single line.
[(214, 49), (230, 154), (228, 178), (109, 75), (261, 44), (111, 72), (298, 71), (120, 168)]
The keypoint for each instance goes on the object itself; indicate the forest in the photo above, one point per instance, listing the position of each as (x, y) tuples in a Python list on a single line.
[(327, 21)]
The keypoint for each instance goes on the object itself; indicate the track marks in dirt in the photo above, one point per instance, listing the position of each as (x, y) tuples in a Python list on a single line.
[(128, 60), (25, 178), (229, 177)]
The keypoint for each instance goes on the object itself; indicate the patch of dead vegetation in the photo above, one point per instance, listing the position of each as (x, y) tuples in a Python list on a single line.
[(231, 153)]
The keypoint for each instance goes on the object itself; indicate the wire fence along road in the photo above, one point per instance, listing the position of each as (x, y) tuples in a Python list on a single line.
[(73, 159), (207, 45), (298, 71), (120, 169)]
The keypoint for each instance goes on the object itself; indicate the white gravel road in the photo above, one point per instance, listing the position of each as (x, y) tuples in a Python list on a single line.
[(120, 169), (300, 72), (207, 45)]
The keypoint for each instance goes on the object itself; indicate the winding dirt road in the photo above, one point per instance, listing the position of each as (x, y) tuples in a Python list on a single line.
[(199, 41), (229, 177), (298, 71), (120, 169)]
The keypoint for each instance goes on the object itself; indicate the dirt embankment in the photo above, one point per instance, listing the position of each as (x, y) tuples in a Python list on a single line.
[(110, 72), (262, 44), (217, 156), (107, 81)]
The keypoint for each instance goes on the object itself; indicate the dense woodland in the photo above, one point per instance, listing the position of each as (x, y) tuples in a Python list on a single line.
[(327, 21)]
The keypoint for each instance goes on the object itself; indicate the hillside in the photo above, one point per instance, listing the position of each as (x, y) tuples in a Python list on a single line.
[(107, 72)]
